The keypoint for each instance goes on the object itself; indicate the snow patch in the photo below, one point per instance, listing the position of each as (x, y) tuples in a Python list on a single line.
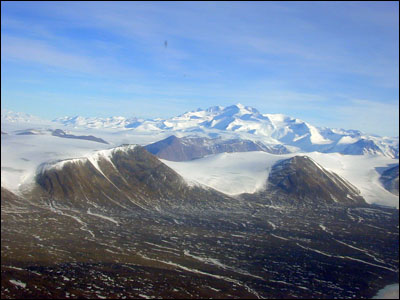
[(18, 283), (348, 140)]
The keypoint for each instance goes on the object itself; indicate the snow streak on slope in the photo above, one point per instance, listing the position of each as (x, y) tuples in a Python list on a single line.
[(93, 158)]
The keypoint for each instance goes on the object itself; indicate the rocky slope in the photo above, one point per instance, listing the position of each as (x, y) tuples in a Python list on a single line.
[(10, 200), (124, 178)]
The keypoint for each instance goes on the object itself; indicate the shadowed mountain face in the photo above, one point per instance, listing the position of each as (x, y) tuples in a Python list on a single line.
[(362, 146), (126, 178), (188, 148), (390, 180), (300, 181)]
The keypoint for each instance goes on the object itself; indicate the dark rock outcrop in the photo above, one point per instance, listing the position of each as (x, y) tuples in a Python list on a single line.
[(188, 148), (62, 134), (390, 180)]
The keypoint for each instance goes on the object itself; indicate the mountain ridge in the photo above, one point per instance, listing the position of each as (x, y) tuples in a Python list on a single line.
[(188, 148), (124, 178)]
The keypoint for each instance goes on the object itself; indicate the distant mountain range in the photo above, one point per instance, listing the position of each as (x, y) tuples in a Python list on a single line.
[(112, 122), (238, 121), (241, 122), (19, 117)]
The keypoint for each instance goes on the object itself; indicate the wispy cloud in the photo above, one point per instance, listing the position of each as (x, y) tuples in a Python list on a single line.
[(35, 51), (39, 52)]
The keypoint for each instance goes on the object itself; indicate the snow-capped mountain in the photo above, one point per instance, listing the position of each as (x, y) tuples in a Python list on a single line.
[(247, 123), (19, 117), (283, 130)]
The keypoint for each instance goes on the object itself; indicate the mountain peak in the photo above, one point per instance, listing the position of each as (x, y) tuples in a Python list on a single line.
[(240, 105), (241, 109), (302, 178)]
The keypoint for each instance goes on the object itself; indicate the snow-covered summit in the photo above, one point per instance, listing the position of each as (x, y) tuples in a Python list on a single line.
[(247, 122)]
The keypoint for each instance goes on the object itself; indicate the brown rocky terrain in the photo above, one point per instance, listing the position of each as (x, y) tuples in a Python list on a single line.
[(121, 224)]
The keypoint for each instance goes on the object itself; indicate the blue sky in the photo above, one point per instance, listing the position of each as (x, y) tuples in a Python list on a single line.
[(333, 64)]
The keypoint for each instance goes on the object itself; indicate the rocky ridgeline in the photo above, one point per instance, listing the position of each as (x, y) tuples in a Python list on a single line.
[(188, 148)]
